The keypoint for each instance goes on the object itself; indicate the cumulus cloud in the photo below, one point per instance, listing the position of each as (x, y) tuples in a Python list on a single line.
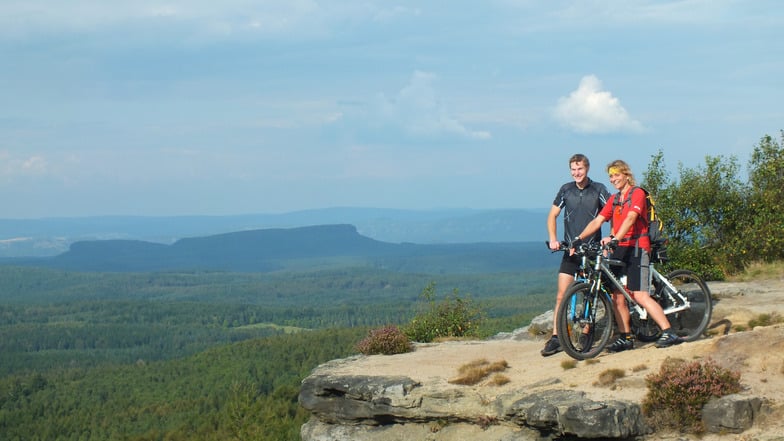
[(417, 110), (589, 109)]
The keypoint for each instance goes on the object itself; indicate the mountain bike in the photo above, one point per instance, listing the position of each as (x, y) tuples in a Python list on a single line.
[(585, 320)]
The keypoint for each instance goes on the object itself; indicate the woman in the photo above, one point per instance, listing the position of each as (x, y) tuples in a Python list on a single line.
[(627, 213)]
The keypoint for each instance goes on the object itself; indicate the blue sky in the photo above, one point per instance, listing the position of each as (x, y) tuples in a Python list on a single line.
[(231, 107)]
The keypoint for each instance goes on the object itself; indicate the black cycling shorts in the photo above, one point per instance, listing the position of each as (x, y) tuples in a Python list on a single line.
[(569, 264), (637, 269)]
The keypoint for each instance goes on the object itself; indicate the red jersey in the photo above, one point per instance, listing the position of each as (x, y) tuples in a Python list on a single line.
[(616, 211)]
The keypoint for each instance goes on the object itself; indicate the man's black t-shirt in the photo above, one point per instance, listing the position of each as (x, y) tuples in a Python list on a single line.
[(579, 206)]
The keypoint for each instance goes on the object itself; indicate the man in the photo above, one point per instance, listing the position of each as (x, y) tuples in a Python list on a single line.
[(580, 202)]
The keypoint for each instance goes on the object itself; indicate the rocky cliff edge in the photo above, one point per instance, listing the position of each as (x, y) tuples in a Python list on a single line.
[(413, 396)]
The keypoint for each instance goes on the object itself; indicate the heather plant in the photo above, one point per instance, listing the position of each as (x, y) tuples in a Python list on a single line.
[(678, 392), (452, 317), (388, 340)]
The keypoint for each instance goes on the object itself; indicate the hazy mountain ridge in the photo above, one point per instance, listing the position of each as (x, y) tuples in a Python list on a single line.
[(52, 236), (294, 248)]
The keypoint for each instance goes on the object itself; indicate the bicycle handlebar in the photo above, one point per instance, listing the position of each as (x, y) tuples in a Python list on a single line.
[(585, 248), (562, 246)]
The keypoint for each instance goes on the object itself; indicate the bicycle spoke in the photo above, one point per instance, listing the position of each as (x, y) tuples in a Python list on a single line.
[(690, 323), (584, 322)]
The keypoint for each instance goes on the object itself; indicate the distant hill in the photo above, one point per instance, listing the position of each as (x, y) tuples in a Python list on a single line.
[(278, 249), (52, 236)]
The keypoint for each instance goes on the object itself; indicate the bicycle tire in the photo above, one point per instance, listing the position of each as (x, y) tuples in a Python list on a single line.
[(691, 323), (581, 310)]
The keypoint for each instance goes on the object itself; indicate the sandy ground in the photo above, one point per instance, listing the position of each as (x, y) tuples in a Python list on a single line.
[(758, 354)]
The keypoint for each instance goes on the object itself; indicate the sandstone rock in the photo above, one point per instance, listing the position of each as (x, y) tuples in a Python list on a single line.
[(391, 408), (731, 413)]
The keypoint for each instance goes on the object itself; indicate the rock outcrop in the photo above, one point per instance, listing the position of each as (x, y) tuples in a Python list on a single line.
[(387, 408), (412, 396)]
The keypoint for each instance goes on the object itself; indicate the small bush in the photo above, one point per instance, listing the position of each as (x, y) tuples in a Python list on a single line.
[(388, 340), (453, 317), (677, 393)]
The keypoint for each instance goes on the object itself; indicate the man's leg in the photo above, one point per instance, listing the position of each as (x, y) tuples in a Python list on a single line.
[(553, 346)]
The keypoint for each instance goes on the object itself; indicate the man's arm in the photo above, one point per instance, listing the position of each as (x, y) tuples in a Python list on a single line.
[(552, 227)]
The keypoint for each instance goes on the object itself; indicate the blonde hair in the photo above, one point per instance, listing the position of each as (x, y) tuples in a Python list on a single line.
[(622, 167)]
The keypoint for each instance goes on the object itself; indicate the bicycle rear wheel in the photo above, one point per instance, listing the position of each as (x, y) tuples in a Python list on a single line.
[(584, 322), (691, 323)]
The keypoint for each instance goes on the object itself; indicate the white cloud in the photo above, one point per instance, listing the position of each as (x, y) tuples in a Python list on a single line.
[(417, 111), (589, 109), (15, 166)]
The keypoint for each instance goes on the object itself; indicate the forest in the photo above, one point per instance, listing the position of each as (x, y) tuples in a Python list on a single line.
[(205, 354), (209, 355)]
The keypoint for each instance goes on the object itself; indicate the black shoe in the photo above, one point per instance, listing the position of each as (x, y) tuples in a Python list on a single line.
[(553, 346), (586, 341), (622, 344), (668, 339)]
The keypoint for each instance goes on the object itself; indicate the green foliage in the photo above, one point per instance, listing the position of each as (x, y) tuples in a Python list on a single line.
[(766, 175), (202, 355), (454, 316), (716, 223), (677, 393), (388, 340), (245, 390)]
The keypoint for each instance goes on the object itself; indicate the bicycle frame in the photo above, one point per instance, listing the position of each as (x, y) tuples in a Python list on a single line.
[(601, 265)]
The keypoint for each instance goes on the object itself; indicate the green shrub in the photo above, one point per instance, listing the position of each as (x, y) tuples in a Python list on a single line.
[(453, 316), (677, 393), (388, 340)]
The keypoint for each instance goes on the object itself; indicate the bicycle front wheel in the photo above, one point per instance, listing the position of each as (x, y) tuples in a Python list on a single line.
[(584, 322), (689, 324)]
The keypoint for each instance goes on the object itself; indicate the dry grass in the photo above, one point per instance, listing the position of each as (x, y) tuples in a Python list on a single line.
[(473, 372), (569, 364), (609, 376), (760, 271), (499, 380), (765, 320)]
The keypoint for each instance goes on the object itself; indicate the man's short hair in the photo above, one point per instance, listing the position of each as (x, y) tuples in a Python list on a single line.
[(579, 157)]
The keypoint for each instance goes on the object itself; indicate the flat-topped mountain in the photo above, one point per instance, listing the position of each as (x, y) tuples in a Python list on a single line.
[(310, 247)]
